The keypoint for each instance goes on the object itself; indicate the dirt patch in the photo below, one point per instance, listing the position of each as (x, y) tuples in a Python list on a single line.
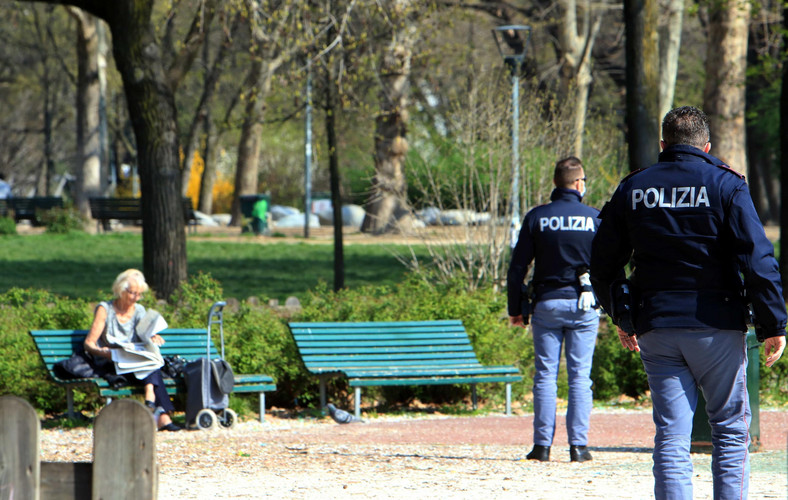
[(439, 456)]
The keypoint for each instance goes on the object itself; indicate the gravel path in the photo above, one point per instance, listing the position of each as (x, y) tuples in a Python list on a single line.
[(444, 457)]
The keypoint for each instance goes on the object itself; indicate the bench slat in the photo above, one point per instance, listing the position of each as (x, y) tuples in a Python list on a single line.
[(402, 371), (376, 324), (375, 382), (385, 359), (383, 337), (390, 350)]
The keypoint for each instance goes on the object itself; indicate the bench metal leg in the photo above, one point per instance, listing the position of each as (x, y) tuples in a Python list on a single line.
[(262, 407), (473, 396), (323, 392), (508, 399), (70, 402), (357, 404)]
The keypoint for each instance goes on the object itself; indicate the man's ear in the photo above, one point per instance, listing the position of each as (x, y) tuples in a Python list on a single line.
[(661, 145)]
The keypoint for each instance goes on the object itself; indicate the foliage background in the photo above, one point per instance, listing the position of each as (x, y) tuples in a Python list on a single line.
[(257, 340)]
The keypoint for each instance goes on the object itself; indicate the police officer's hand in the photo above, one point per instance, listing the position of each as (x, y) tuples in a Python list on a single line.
[(517, 320), (628, 341), (773, 348)]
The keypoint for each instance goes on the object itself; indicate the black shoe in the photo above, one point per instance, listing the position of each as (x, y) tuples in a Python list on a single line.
[(151, 405), (169, 427), (541, 453), (579, 454)]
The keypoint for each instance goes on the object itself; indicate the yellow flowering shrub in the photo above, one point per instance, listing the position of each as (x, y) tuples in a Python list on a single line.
[(223, 188)]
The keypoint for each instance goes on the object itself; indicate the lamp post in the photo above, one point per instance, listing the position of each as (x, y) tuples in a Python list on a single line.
[(512, 42), (308, 149)]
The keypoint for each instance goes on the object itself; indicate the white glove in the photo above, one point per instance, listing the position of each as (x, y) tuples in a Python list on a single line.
[(586, 301)]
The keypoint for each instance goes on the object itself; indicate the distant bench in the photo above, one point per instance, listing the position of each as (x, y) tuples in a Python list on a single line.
[(395, 353), (29, 208), (188, 343), (106, 209)]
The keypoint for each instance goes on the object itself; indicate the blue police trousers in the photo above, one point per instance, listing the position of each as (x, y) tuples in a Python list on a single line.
[(678, 363), (555, 322)]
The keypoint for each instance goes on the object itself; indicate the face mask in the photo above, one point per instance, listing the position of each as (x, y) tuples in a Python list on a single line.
[(583, 192)]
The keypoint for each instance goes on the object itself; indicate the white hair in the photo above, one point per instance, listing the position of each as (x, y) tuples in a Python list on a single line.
[(125, 278)]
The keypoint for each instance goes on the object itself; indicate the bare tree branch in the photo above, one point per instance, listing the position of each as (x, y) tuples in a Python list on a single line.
[(192, 43)]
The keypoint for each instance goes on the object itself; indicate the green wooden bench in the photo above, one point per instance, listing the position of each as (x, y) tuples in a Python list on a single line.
[(106, 209), (396, 353), (188, 343)]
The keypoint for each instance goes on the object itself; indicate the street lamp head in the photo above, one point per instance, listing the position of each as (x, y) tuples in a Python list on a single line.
[(512, 42)]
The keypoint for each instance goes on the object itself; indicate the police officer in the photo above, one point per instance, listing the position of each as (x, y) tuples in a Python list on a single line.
[(558, 237), (689, 228)]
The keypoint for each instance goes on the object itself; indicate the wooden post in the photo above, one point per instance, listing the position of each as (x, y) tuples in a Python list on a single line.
[(66, 480), (124, 452), (20, 470)]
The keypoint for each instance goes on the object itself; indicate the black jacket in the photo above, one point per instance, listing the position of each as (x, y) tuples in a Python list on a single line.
[(558, 237), (695, 243)]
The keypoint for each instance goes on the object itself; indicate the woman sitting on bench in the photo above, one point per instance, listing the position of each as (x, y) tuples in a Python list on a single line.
[(118, 319)]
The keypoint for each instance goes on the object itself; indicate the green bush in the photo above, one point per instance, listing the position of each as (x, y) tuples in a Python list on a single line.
[(62, 220), (22, 373), (257, 340), (616, 370), (7, 226)]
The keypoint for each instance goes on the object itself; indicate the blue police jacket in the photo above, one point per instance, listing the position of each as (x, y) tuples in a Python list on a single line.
[(688, 228), (558, 237)]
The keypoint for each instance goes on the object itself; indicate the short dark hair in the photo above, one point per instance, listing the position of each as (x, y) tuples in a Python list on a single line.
[(686, 125), (567, 171)]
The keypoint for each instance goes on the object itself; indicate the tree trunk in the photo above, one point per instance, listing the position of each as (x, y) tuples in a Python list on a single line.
[(669, 46), (576, 44), (642, 58), (759, 181), (149, 95), (642, 81), (265, 61), (153, 116), (88, 167), (205, 203), (247, 168), (724, 95), (784, 165), (333, 167), (387, 201), (48, 168)]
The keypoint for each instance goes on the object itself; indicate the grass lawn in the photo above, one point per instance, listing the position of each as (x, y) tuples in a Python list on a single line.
[(84, 265)]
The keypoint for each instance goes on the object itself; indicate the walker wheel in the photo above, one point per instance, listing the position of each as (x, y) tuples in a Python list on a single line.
[(206, 419), (228, 418)]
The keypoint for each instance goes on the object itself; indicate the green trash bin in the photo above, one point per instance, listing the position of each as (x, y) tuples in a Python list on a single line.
[(701, 429), (255, 207)]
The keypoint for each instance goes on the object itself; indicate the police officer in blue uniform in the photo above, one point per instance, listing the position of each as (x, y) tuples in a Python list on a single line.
[(698, 255), (558, 237)]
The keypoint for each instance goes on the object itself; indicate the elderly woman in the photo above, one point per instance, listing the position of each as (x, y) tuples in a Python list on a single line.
[(118, 319)]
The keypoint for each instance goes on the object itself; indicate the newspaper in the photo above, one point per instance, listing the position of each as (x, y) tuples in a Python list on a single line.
[(141, 358), (151, 324)]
